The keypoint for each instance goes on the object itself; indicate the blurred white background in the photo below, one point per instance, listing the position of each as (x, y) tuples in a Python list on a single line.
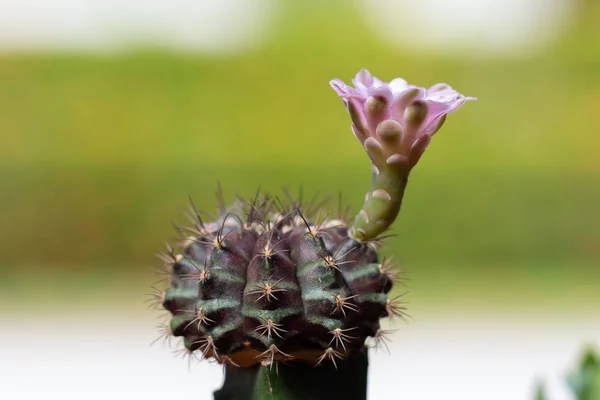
[(463, 356), (207, 26), (225, 26), (488, 27)]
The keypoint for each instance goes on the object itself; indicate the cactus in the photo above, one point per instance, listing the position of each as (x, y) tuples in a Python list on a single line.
[(275, 282), (585, 382), (266, 284)]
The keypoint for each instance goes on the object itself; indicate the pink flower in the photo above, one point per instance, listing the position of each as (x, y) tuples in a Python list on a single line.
[(395, 120)]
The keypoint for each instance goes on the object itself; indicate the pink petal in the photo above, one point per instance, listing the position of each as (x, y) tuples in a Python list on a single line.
[(436, 109), (433, 126), (398, 85), (381, 91), (457, 104), (395, 96), (401, 101), (417, 149), (344, 90), (364, 77), (378, 82), (437, 87), (361, 136), (444, 96), (339, 86), (355, 109)]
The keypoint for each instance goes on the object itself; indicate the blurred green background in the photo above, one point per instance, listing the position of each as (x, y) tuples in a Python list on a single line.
[(99, 153)]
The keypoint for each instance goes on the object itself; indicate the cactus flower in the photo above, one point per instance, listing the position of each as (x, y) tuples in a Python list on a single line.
[(395, 114), (394, 121)]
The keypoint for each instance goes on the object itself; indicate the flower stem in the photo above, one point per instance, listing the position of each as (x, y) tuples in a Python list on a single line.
[(383, 201)]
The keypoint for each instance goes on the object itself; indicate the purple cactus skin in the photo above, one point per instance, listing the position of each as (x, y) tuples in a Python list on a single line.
[(262, 285)]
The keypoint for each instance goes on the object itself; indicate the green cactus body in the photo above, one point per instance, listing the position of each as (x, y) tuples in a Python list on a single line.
[(262, 287)]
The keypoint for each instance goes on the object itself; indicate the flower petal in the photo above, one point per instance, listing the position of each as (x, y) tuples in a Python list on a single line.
[(381, 91), (435, 109), (437, 87), (444, 96), (401, 101), (360, 135), (398, 85), (372, 101), (364, 77), (339, 86), (433, 125)]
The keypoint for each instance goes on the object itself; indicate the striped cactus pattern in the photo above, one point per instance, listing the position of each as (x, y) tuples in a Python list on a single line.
[(267, 282)]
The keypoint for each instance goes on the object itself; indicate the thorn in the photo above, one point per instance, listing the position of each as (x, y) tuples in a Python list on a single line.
[(311, 230), (258, 211), (339, 337), (156, 298), (330, 262), (186, 241), (227, 360), (178, 229), (296, 204), (201, 276), (395, 307), (195, 218), (272, 354), (382, 338), (200, 316), (165, 333), (270, 327), (207, 347), (185, 352), (330, 354), (268, 251), (320, 226), (267, 290), (305, 221), (313, 205), (342, 304), (219, 238), (334, 261), (240, 222), (376, 242), (169, 258), (163, 272), (195, 276), (388, 268)]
